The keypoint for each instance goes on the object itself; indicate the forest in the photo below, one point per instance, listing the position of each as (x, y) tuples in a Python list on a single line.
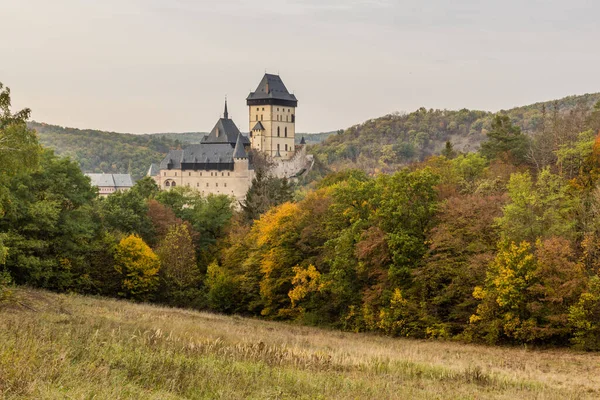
[(499, 246), (108, 152), (391, 142)]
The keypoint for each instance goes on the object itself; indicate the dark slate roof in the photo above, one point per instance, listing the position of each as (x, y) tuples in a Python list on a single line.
[(271, 87), (258, 127), (208, 153), (174, 157), (153, 170), (111, 180), (302, 141), (239, 151), (227, 133)]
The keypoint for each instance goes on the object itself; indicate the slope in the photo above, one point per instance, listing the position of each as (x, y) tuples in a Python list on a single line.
[(109, 152), (393, 140), (70, 346)]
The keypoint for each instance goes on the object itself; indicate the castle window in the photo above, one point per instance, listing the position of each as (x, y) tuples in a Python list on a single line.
[(285, 131), (167, 183), (277, 108), (175, 173), (256, 108), (225, 184), (278, 132), (257, 117), (286, 147), (206, 184), (263, 109), (286, 118), (173, 184), (198, 184), (190, 174), (217, 184), (261, 117), (228, 174), (222, 173), (200, 173), (293, 118)]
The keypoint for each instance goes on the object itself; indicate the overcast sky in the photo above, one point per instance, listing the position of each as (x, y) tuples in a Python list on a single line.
[(166, 65)]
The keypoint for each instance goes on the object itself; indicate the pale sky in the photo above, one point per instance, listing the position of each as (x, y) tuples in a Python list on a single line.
[(145, 66)]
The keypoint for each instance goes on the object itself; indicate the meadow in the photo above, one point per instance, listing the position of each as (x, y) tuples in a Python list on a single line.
[(58, 346)]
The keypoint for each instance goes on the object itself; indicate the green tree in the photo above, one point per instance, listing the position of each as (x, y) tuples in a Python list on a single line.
[(537, 210), (145, 187), (505, 140), (49, 224), (266, 191), (19, 146), (449, 151), (528, 293), (584, 317)]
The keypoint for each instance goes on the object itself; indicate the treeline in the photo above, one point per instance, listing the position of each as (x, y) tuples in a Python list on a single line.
[(108, 152), (497, 246), (388, 143)]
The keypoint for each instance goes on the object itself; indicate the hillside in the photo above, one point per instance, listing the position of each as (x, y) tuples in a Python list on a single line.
[(70, 346), (109, 152), (396, 139)]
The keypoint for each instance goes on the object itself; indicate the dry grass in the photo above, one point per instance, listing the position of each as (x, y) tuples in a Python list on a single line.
[(75, 347)]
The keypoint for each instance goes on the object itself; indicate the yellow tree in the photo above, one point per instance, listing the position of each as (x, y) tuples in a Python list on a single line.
[(276, 234), (138, 266)]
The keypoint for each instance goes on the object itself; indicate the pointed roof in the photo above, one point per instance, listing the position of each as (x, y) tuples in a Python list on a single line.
[(225, 131), (271, 88), (153, 170), (302, 141), (258, 127), (226, 114), (239, 151)]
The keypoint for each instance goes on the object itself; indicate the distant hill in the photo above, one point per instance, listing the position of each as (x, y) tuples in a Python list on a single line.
[(109, 152), (393, 140)]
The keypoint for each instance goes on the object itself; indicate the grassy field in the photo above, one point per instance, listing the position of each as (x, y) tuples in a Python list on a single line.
[(74, 347)]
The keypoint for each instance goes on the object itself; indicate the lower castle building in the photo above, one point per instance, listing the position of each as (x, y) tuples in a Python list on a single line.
[(218, 165)]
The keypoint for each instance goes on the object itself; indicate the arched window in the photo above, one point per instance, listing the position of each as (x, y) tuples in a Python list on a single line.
[(167, 183), (285, 131), (286, 147), (173, 184), (293, 118), (278, 132)]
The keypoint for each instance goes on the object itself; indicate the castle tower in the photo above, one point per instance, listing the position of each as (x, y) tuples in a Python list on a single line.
[(272, 113)]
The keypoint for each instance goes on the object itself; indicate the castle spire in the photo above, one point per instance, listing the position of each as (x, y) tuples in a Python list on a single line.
[(239, 151), (226, 114)]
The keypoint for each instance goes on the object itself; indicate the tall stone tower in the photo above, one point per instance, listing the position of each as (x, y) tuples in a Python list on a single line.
[(272, 113)]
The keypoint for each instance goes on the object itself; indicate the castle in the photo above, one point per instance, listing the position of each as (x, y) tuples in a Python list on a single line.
[(220, 163)]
